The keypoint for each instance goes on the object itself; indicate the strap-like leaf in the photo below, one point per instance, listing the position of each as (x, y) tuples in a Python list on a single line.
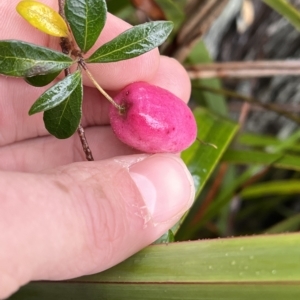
[(56, 94), (22, 59), (287, 10), (133, 42), (246, 268), (86, 19), (63, 120)]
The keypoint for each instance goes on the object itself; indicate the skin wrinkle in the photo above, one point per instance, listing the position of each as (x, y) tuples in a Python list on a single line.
[(102, 141), (18, 105), (61, 186), (96, 110), (89, 207), (101, 230), (77, 153), (25, 254), (3, 113), (43, 149), (68, 178), (15, 274), (140, 210), (95, 207), (113, 232)]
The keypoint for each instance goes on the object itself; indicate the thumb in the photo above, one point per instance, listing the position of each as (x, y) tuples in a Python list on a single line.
[(86, 217)]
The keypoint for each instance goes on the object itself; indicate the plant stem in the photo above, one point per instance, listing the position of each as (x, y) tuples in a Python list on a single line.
[(244, 69), (84, 143), (267, 106), (206, 144), (61, 5), (99, 88), (66, 48)]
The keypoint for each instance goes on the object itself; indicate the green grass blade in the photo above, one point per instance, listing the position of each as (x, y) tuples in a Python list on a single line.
[(236, 268), (265, 141), (287, 10), (173, 11), (284, 161), (107, 291), (290, 224), (275, 187), (219, 202), (114, 7), (202, 159), (214, 102)]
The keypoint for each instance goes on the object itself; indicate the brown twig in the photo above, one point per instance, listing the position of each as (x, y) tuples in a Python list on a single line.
[(214, 189), (200, 16), (61, 5), (245, 69), (150, 8), (237, 96), (84, 143), (66, 48), (236, 107)]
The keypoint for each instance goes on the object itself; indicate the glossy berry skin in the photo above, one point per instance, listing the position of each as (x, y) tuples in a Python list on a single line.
[(154, 120)]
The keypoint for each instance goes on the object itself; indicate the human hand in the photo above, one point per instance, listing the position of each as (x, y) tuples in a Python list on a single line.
[(62, 217)]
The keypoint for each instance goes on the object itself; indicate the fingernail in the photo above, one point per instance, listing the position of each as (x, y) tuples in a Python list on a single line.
[(165, 185)]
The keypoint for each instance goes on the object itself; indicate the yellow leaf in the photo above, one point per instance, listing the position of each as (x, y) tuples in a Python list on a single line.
[(43, 18)]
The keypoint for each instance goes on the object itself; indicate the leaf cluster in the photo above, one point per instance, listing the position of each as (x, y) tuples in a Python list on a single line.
[(39, 66)]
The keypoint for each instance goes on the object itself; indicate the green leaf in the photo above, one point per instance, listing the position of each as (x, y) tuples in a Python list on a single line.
[(41, 80), (168, 237), (115, 7), (156, 291), (214, 102), (290, 224), (133, 42), (63, 120), (202, 159), (264, 267), (86, 19), (173, 11), (56, 94), (287, 10), (264, 141), (278, 160), (220, 201), (287, 143), (275, 187), (22, 59)]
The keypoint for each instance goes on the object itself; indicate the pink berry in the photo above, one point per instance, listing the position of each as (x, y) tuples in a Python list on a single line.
[(154, 120)]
